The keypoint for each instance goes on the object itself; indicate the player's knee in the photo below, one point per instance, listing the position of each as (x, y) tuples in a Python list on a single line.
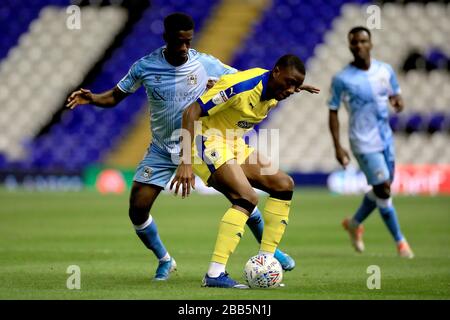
[(281, 182), (288, 183), (282, 187), (382, 191), (252, 197), (139, 209), (246, 204), (138, 214)]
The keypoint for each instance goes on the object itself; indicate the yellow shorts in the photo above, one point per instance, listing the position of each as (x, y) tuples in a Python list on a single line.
[(209, 153)]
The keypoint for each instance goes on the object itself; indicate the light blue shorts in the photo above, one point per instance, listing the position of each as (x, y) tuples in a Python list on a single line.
[(378, 167), (156, 168)]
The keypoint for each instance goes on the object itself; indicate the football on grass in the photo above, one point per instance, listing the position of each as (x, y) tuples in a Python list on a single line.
[(263, 271)]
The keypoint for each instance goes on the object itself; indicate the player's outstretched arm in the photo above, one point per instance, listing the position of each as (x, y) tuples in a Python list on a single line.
[(341, 154), (309, 88), (107, 99), (184, 175), (397, 103)]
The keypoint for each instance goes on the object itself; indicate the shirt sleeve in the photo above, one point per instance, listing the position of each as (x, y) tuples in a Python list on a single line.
[(132, 81), (336, 90), (395, 88), (218, 98), (214, 67)]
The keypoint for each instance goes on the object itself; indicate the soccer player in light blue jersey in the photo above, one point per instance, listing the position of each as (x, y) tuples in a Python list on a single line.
[(174, 76), (366, 86)]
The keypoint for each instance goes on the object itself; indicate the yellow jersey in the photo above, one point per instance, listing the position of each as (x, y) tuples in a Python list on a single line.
[(236, 102)]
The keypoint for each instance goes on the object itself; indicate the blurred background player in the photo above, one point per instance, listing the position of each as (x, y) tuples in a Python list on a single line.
[(238, 102), (367, 86), (174, 76)]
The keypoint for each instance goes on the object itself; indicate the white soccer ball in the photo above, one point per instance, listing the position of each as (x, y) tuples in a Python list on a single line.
[(263, 271)]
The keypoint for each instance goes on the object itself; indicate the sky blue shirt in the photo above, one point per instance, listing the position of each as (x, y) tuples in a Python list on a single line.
[(365, 94), (171, 89)]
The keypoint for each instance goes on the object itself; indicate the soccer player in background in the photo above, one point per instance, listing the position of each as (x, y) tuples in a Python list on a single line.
[(221, 158), (367, 86), (174, 76)]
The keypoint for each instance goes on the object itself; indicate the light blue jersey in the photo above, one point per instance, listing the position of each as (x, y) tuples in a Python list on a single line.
[(366, 97), (171, 89)]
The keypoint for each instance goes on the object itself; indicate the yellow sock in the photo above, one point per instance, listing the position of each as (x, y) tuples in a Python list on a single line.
[(275, 215), (231, 229)]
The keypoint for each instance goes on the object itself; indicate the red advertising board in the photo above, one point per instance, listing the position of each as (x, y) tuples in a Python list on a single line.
[(422, 179)]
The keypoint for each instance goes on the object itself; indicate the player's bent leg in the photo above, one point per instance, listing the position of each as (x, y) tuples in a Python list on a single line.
[(366, 207), (280, 187), (141, 200), (273, 184), (276, 211), (354, 225), (256, 224), (230, 180), (277, 182), (389, 215)]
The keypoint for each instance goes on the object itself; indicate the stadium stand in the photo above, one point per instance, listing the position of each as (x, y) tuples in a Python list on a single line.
[(85, 135), (48, 61), (315, 30), (426, 92)]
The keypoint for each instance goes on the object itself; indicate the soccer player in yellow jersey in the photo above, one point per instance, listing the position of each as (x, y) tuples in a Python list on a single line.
[(222, 160)]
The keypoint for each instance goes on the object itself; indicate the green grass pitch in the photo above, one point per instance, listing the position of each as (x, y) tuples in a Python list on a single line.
[(41, 234)]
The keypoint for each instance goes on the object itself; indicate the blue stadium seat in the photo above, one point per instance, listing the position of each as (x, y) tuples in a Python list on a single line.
[(86, 134)]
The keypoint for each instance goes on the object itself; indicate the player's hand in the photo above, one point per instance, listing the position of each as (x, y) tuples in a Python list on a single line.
[(185, 178), (397, 103), (309, 88), (210, 84), (82, 96), (342, 157)]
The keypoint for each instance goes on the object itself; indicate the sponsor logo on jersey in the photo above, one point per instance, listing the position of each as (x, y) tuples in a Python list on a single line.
[(245, 124)]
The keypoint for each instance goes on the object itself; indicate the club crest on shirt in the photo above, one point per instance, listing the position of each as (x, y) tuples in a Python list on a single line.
[(214, 155), (192, 79), (147, 172)]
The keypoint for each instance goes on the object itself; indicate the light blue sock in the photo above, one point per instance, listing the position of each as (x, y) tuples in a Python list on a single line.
[(256, 224), (389, 216), (148, 233), (365, 209)]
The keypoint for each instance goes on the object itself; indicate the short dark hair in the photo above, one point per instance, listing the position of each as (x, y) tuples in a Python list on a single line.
[(291, 60), (360, 29), (178, 21)]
